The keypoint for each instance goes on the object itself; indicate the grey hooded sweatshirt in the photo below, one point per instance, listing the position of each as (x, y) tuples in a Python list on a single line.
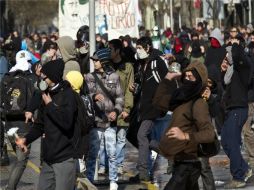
[(67, 48)]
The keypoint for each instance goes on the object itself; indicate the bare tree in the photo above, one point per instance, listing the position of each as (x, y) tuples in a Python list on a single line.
[(30, 15)]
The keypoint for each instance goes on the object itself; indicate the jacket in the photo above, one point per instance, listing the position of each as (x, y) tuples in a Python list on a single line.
[(57, 121), (236, 92), (111, 82), (148, 87), (126, 73), (66, 46), (200, 131)]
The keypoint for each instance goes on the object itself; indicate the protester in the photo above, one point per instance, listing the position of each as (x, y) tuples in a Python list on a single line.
[(152, 69), (56, 119), (66, 51), (126, 72), (105, 90), (19, 81), (236, 74), (183, 135)]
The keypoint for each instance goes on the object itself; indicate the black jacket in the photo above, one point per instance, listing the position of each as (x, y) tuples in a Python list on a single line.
[(236, 93), (57, 121), (148, 87)]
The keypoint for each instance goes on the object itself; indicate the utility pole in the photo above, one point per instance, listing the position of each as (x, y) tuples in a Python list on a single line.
[(91, 31)]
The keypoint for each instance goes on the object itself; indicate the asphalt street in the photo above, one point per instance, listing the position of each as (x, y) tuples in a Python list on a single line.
[(29, 180)]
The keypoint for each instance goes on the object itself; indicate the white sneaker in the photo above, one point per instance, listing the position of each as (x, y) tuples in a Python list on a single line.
[(102, 171), (113, 186)]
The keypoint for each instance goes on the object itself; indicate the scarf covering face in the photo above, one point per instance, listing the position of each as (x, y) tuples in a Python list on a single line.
[(188, 91), (215, 43)]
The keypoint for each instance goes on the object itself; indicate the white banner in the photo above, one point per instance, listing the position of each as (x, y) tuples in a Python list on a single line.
[(122, 18), (116, 17)]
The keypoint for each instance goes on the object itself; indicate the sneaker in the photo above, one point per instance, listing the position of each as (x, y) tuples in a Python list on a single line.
[(120, 170), (248, 174), (113, 186), (234, 184), (102, 171)]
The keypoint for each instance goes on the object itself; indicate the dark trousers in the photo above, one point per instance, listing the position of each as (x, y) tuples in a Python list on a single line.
[(144, 134), (207, 175), (231, 141), (58, 176), (185, 176)]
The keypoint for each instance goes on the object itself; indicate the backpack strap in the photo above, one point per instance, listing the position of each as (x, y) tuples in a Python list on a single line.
[(103, 88)]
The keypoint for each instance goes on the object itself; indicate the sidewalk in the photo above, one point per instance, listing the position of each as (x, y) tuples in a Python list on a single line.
[(29, 180)]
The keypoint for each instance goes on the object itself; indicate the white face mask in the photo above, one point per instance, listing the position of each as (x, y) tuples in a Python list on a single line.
[(142, 54)]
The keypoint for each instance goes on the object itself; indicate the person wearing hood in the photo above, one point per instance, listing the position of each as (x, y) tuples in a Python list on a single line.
[(215, 53), (181, 139), (66, 51), (214, 57), (179, 54), (105, 90), (56, 119), (21, 73), (236, 75), (196, 49), (151, 70)]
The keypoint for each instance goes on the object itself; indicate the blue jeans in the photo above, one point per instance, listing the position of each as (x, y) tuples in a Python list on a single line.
[(108, 138), (120, 149), (231, 141), (120, 145)]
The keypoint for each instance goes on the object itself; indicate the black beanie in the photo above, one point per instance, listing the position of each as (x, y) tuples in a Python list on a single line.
[(54, 70)]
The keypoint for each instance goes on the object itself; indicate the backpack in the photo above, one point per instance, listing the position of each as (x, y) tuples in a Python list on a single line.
[(206, 149), (85, 113), (17, 89)]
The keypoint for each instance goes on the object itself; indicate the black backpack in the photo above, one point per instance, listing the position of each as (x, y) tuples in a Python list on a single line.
[(17, 89), (86, 115)]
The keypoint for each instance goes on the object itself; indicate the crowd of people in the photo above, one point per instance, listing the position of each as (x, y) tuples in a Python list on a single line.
[(168, 93)]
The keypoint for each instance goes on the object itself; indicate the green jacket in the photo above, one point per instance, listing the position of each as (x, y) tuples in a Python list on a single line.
[(126, 73)]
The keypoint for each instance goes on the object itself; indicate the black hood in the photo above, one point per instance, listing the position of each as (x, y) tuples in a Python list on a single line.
[(154, 54)]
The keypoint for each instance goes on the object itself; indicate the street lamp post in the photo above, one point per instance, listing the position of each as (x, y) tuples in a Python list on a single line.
[(91, 31)]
